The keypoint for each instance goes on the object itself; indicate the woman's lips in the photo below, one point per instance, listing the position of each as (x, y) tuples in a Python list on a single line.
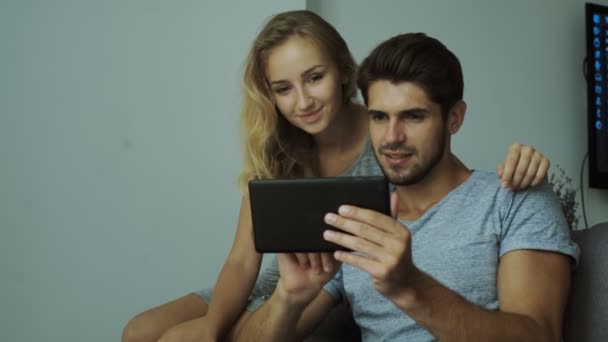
[(310, 117)]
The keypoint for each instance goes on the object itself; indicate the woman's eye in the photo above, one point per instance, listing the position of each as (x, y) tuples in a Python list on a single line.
[(281, 91), (315, 77)]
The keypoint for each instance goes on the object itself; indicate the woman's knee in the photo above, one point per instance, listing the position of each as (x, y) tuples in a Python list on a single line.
[(139, 329), (151, 324)]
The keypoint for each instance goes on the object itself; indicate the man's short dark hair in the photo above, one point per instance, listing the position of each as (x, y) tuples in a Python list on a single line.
[(416, 58)]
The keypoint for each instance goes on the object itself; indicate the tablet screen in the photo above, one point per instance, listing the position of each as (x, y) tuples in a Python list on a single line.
[(288, 214)]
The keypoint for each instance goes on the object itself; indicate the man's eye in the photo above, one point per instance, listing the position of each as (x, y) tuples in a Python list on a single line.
[(377, 116)]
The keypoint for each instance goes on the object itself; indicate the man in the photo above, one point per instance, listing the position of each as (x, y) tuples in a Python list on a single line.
[(461, 258)]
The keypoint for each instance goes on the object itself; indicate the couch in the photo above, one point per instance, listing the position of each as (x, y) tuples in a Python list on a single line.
[(587, 313)]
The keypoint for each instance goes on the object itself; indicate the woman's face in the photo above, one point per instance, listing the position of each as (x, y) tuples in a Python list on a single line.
[(305, 84)]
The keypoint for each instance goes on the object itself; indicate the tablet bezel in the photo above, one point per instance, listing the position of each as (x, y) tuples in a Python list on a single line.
[(287, 214)]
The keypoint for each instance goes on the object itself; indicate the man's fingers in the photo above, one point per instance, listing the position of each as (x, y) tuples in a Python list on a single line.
[(356, 228), (358, 261), (355, 243), (369, 217), (394, 204)]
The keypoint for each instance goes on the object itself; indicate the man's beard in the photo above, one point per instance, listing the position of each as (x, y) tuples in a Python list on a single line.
[(417, 173)]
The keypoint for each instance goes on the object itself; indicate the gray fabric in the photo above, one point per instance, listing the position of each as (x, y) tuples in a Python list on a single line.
[(366, 164), (587, 313), (459, 242)]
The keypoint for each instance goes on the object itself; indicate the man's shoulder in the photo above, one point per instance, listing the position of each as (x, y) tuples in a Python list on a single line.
[(483, 178), (488, 182), (481, 184)]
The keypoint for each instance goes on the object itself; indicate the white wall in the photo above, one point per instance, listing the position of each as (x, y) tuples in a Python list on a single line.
[(522, 63), (119, 152)]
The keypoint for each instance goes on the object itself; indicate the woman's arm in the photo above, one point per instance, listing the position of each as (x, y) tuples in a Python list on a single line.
[(523, 167), (297, 305), (236, 279)]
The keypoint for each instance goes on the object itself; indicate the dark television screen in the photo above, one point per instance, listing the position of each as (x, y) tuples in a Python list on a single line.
[(596, 25)]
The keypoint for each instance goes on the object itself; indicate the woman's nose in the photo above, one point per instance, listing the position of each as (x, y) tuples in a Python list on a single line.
[(305, 101)]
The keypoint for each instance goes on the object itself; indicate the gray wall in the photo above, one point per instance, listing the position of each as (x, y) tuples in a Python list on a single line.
[(120, 151), (522, 63)]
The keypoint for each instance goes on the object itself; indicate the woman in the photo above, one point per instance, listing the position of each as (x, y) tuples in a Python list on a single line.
[(299, 119)]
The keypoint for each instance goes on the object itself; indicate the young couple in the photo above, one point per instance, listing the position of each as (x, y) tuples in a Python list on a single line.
[(300, 119)]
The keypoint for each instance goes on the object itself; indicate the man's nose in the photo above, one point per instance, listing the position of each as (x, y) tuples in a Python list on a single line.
[(395, 132)]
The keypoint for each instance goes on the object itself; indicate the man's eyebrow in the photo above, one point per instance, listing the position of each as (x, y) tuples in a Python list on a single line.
[(404, 112), (417, 110), (303, 75), (375, 112)]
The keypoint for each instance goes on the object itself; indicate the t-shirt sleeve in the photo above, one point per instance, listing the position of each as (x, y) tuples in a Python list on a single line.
[(534, 219), (335, 287)]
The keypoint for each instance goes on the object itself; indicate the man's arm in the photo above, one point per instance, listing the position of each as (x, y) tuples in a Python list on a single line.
[(532, 289), (532, 285)]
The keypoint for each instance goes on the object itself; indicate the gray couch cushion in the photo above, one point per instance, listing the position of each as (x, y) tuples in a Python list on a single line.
[(587, 312)]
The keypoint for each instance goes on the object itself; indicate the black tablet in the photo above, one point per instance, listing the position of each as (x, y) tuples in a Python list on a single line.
[(288, 214)]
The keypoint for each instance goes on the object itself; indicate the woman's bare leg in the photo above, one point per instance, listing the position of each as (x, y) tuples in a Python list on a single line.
[(149, 325), (184, 330)]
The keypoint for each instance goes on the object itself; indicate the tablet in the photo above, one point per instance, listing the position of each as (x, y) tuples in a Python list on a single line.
[(288, 214)]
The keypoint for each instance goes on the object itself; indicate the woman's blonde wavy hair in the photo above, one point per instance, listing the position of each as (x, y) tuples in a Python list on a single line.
[(274, 148)]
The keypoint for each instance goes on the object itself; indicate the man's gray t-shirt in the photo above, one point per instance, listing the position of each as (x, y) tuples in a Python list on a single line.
[(459, 242)]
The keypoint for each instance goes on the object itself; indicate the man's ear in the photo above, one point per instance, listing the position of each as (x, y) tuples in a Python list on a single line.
[(456, 116)]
